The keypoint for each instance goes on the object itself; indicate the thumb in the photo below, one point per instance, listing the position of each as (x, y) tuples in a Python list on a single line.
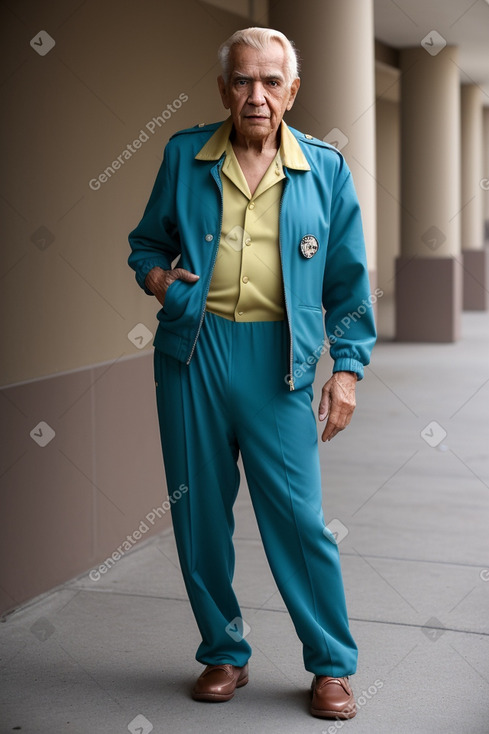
[(324, 404), (186, 275)]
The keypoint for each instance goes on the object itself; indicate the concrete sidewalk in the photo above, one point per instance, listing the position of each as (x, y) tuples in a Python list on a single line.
[(411, 508)]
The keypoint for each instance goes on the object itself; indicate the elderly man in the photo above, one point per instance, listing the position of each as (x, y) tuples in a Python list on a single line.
[(266, 225)]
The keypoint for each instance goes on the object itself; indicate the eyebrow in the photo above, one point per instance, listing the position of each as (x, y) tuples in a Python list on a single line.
[(266, 77)]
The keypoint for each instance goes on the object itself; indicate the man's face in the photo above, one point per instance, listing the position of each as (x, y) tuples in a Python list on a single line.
[(256, 93)]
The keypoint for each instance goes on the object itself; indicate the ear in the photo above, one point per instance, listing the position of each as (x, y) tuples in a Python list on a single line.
[(223, 90), (294, 88)]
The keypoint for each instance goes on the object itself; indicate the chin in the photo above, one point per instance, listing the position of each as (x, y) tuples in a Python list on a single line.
[(260, 127)]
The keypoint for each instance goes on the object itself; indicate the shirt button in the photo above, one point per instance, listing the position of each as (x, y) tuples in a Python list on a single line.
[(245, 279), (251, 205), (209, 237), (309, 137), (248, 242), (240, 313)]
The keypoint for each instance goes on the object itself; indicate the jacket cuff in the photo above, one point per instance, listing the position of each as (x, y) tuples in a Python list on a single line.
[(144, 269), (347, 364)]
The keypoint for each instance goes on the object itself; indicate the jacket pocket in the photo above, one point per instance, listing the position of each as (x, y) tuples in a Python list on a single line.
[(176, 298), (308, 333)]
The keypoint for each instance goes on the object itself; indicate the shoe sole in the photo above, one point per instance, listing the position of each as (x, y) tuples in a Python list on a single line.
[(324, 714), (218, 697)]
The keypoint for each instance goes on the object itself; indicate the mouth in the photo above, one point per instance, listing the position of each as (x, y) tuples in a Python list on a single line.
[(256, 117)]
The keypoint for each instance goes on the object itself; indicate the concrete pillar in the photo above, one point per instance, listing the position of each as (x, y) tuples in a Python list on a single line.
[(388, 192), (428, 278), (485, 172), (474, 255), (336, 101)]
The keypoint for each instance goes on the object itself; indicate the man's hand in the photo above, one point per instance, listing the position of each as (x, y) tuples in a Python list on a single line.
[(337, 403), (158, 280)]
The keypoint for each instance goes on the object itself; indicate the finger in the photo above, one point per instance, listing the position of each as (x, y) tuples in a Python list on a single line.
[(160, 295), (329, 432), (331, 425), (339, 418), (333, 435), (324, 405), (185, 275)]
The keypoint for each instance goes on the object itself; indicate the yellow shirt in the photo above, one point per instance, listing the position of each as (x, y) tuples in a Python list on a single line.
[(247, 283)]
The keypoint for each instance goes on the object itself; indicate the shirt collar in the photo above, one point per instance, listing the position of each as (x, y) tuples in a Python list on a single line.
[(290, 150)]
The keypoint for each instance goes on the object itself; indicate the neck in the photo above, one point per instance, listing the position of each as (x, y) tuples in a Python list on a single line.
[(258, 146)]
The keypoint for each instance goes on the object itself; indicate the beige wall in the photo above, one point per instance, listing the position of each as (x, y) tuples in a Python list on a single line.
[(255, 10), (68, 304), (66, 116)]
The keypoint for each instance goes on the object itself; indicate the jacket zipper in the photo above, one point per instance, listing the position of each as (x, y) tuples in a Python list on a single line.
[(291, 353), (216, 249)]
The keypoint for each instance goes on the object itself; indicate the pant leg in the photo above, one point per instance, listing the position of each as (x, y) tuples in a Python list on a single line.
[(277, 434), (200, 452)]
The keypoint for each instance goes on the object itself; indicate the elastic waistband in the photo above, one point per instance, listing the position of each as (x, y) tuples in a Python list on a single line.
[(229, 323)]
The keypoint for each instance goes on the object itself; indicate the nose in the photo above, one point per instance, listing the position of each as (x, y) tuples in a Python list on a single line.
[(256, 96)]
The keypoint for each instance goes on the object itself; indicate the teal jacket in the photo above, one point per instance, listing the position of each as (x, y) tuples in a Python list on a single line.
[(183, 220)]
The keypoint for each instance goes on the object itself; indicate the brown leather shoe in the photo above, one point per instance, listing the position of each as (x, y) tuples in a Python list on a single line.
[(332, 698), (218, 682)]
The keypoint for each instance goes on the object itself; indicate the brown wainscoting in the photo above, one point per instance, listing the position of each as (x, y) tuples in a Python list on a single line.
[(476, 279), (428, 299), (69, 504)]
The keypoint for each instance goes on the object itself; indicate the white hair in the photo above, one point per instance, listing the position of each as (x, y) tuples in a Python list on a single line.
[(260, 38)]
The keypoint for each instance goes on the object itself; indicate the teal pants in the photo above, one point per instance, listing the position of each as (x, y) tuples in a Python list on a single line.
[(232, 398)]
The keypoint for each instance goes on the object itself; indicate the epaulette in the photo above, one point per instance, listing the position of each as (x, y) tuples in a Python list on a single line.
[(201, 127), (306, 138)]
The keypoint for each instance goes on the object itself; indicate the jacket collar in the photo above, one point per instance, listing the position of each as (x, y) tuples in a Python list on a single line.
[(290, 150)]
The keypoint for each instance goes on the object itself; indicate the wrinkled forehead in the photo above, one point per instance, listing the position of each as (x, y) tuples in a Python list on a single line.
[(251, 62)]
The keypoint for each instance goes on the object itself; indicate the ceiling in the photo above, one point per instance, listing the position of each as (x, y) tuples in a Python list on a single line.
[(464, 23)]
